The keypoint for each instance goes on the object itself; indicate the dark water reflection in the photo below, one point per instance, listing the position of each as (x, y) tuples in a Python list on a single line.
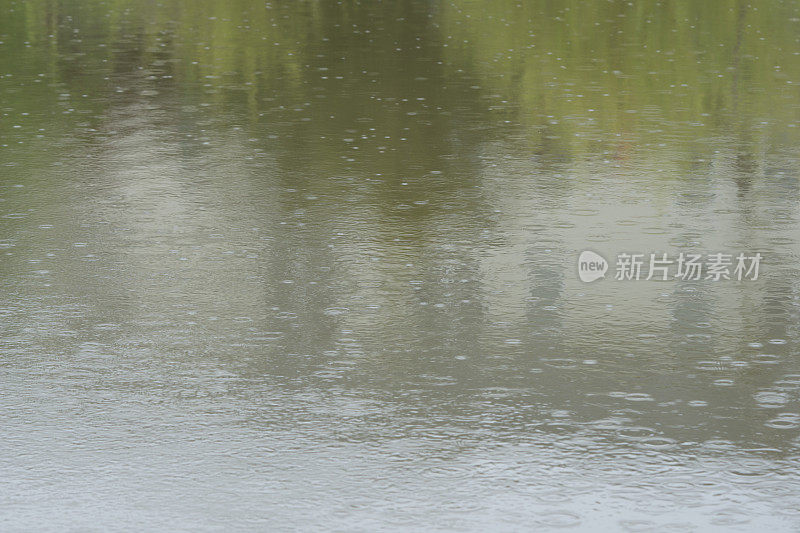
[(312, 265)]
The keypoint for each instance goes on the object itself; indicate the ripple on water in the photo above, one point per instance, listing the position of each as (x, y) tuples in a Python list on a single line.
[(680, 486), (718, 445), (448, 472), (467, 505), (542, 493), (765, 359), (709, 365), (654, 231), (789, 381), (752, 468), (730, 517), (107, 327), (784, 421), (636, 433), (560, 362), (637, 526), (771, 399), (638, 397), (267, 336), (559, 519), (658, 443)]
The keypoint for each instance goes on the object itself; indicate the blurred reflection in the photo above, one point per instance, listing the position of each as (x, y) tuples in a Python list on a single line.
[(333, 244)]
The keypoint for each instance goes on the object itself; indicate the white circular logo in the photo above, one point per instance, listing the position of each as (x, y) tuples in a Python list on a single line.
[(591, 266)]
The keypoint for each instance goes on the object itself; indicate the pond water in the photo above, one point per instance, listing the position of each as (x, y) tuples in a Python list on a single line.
[(312, 265)]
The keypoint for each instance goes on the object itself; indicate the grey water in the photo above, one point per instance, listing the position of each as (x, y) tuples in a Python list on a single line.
[(312, 265)]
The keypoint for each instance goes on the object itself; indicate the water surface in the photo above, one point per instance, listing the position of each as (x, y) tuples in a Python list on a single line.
[(312, 265)]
